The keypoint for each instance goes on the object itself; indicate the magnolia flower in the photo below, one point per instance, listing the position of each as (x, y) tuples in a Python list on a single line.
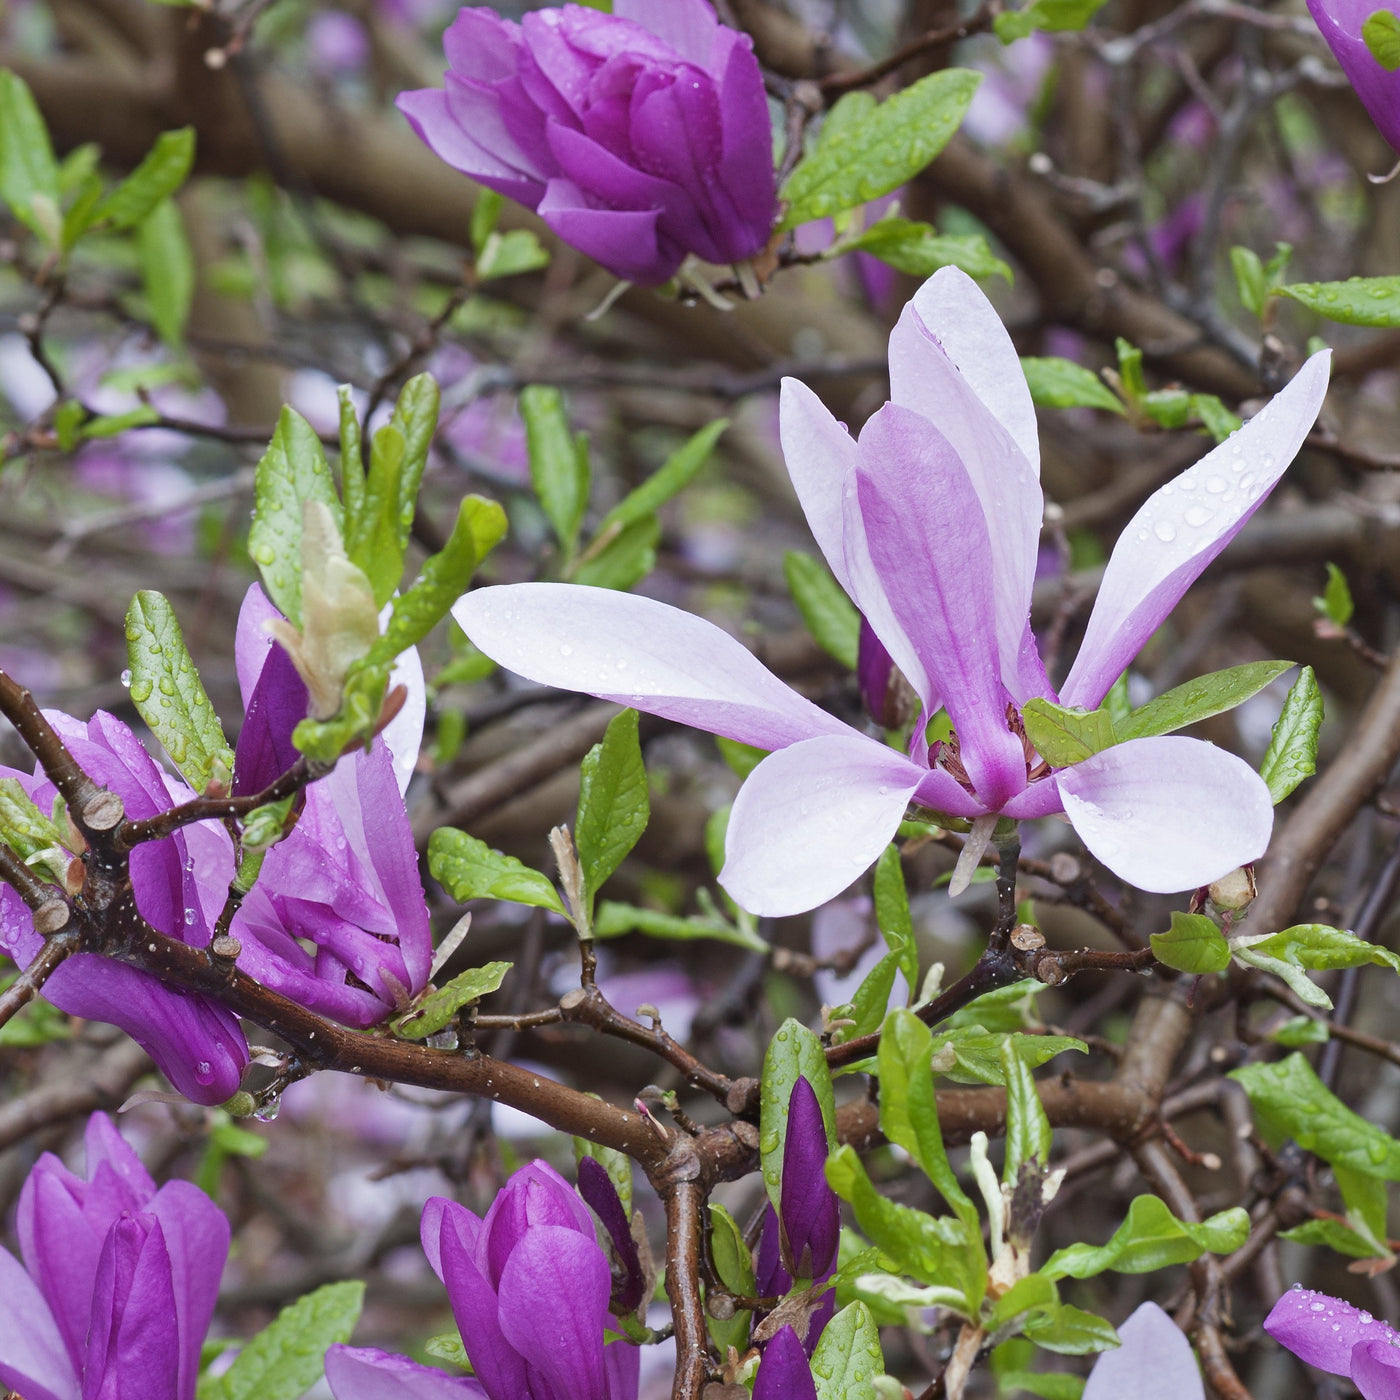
[(1378, 87), (639, 136), (118, 1283), (529, 1286), (784, 1374), (180, 883), (1338, 1338), (930, 522), (346, 878), (1154, 1362)]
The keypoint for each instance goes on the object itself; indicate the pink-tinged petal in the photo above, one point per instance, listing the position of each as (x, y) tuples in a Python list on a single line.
[(927, 378), (783, 1373), (105, 1146), (1184, 525), (1324, 1331), (480, 44), (688, 26), (554, 1306), (366, 1373), (251, 641), (1375, 1370), (930, 544), (822, 460), (403, 735), (499, 1366), (1168, 814), (535, 1196), (641, 653), (440, 1214), (957, 313), (132, 1338), (196, 1236), (1153, 1363), (622, 1370), (811, 818), (622, 240), (33, 1357)]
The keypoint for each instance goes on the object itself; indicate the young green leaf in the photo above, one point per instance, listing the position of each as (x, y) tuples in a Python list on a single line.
[(469, 869), (507, 254), (1057, 383), (558, 463), (1381, 34), (870, 1000), (794, 1053), (1335, 604), (1052, 16), (613, 920), (1359, 301), (160, 174), (830, 616), (1151, 1238), (848, 1358), (439, 1007), (1193, 944), (868, 149), (1200, 699), (919, 250), (1028, 1133), (1250, 282), (167, 270), (1292, 752), (1319, 948), (892, 914), (28, 172), (625, 558), (1063, 735), (169, 695), (1070, 1331), (671, 477), (613, 803)]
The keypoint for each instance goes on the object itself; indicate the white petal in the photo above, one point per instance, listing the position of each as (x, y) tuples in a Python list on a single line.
[(1168, 813), (404, 733), (811, 819), (1154, 1362), (641, 653)]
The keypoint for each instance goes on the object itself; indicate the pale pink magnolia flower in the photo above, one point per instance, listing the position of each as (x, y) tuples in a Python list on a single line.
[(931, 522)]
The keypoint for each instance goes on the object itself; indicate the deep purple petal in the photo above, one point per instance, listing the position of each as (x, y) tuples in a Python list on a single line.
[(930, 543), (1379, 90), (497, 1364), (622, 1370), (133, 1343), (1323, 1331), (811, 818), (196, 1236), (596, 1187), (366, 1373), (1153, 1363), (638, 652), (1375, 1370), (1183, 526), (1169, 813), (810, 1213), (622, 240), (34, 1358), (554, 1306), (535, 1196), (783, 1373), (277, 705)]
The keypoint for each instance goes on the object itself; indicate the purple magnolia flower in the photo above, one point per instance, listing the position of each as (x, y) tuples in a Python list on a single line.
[(529, 1286), (180, 884), (346, 878), (1154, 1362), (1341, 22), (1338, 1338), (931, 523), (118, 1283), (784, 1374), (639, 136)]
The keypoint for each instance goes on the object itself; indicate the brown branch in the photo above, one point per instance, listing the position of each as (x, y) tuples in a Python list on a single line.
[(90, 806), (203, 809), (73, 1091), (684, 1200), (835, 84)]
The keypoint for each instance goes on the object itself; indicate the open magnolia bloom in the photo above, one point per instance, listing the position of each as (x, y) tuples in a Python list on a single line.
[(931, 523), (1340, 1339)]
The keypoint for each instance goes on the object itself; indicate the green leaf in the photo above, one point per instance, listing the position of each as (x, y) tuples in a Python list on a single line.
[(892, 914), (1336, 604), (1010, 1008), (507, 254), (558, 462), (469, 869), (167, 270), (446, 1346), (613, 803), (1381, 34), (1292, 752), (288, 1356), (730, 1255), (1048, 1385), (1070, 1331), (1193, 944), (909, 1106), (848, 1358), (1035, 1291), (160, 174), (1151, 1238), (674, 474), (1217, 420), (1359, 301), (1367, 1201), (1028, 1132), (871, 999), (1200, 699), (38, 1023), (1289, 1100), (25, 829), (169, 695), (439, 1007), (1063, 734), (1130, 370), (107, 425), (1057, 383), (977, 1052), (613, 920), (1052, 16), (794, 1053), (1319, 947), (1332, 1234), (830, 616), (1299, 1031), (625, 560), (742, 759), (485, 212), (28, 172), (866, 150), (919, 250), (352, 453), (1250, 282), (292, 471)]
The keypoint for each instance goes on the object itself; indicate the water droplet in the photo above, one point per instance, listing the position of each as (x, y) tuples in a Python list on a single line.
[(189, 916), (1187, 482), (1142, 536), (1165, 531), (1319, 1307), (622, 665), (769, 1142), (1197, 516), (1215, 484), (204, 1072), (267, 1111), (566, 650), (1267, 461), (126, 678)]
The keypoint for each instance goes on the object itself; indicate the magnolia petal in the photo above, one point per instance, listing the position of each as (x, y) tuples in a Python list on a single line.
[(1184, 525), (34, 1362), (1168, 814), (638, 652), (1375, 1370), (1324, 1331), (1153, 1363), (811, 1215), (952, 363), (596, 1187), (688, 26), (783, 1373), (927, 531), (811, 818), (366, 1373), (403, 735), (822, 459), (496, 1362), (196, 1235), (132, 1348)]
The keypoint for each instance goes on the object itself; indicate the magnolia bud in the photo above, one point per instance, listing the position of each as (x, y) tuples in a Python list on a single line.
[(1234, 891)]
